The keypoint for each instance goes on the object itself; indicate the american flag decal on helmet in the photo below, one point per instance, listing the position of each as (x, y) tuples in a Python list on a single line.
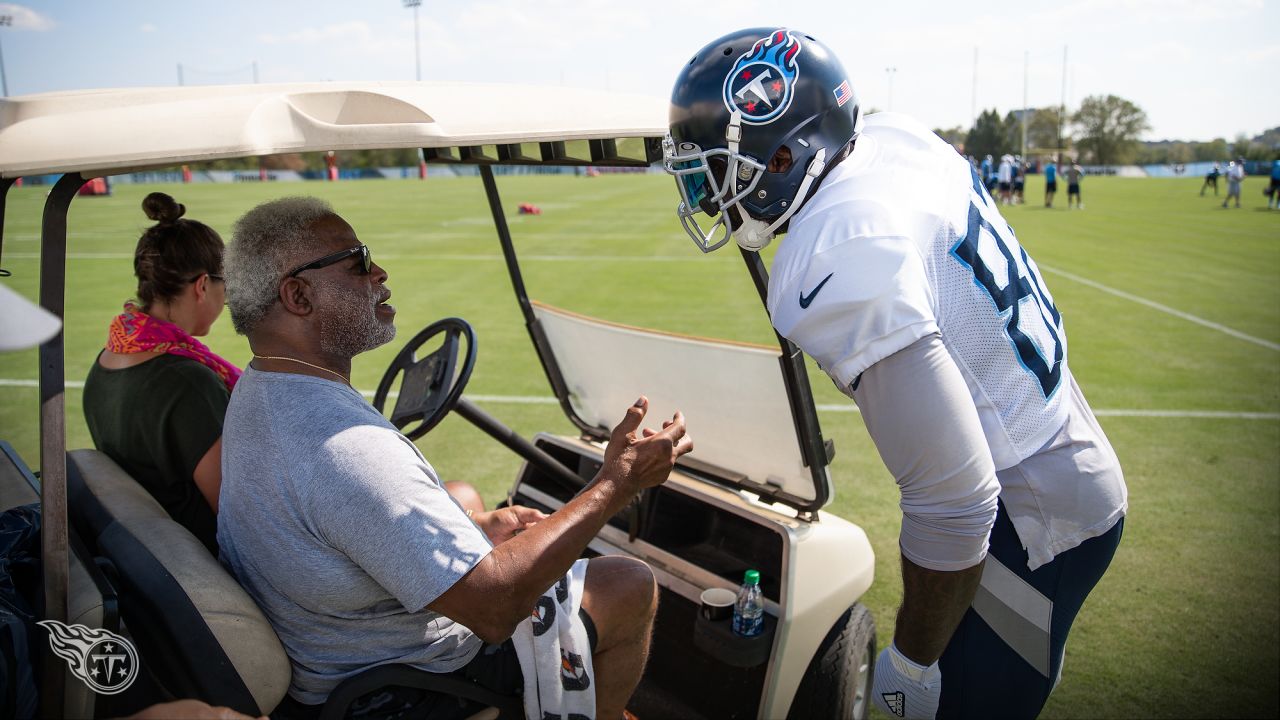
[(842, 93)]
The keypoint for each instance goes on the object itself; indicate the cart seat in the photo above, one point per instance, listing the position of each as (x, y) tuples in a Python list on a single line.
[(200, 635)]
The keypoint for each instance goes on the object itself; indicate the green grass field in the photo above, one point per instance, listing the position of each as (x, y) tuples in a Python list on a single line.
[(1172, 305)]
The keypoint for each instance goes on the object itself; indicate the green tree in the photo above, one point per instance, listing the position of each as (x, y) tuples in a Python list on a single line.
[(1211, 151), (1042, 129), (955, 136), (1109, 128), (989, 136)]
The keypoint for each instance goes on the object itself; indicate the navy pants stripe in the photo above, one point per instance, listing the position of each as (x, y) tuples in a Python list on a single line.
[(982, 676)]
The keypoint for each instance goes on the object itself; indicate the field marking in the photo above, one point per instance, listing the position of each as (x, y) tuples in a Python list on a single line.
[(824, 407), (1164, 308)]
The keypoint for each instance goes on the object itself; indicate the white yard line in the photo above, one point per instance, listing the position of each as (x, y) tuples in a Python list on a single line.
[(1163, 308), (834, 408)]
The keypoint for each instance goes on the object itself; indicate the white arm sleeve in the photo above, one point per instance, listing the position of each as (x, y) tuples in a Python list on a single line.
[(922, 419)]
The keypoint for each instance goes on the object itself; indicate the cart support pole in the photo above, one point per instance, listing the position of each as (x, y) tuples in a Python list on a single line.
[(5, 184), (53, 433)]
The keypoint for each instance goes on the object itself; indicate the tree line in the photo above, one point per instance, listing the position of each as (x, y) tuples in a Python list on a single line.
[(1105, 130)]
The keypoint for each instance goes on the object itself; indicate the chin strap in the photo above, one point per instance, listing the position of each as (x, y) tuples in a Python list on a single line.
[(754, 234)]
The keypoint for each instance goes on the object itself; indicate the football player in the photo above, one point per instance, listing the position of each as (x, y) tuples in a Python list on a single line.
[(899, 276)]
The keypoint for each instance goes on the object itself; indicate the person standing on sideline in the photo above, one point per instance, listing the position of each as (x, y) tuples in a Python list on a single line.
[(1006, 179), (1050, 182), (916, 298), (988, 173), (1235, 174), (1273, 190), (1019, 180), (1074, 173)]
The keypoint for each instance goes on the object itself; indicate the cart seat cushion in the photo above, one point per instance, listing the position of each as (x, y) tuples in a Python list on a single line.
[(233, 618)]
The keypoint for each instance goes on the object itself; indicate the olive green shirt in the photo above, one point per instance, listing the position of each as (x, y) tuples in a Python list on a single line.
[(157, 420)]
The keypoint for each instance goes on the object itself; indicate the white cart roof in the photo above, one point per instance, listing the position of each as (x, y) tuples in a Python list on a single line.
[(100, 130)]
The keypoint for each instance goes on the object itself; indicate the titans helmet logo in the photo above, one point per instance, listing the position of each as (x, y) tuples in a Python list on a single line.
[(762, 81), (104, 661)]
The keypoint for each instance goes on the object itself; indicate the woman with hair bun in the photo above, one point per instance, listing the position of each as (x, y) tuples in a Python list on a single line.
[(155, 398)]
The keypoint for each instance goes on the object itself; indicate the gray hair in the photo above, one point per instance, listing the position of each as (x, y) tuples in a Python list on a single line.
[(265, 244)]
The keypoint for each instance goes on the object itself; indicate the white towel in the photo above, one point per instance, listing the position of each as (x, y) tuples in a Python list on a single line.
[(555, 655)]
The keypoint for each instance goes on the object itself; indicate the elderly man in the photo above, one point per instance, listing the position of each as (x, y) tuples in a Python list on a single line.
[(343, 532)]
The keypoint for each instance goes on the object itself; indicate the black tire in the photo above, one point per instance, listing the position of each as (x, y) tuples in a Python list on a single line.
[(837, 683)]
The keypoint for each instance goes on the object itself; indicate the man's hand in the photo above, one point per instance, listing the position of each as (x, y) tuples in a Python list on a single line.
[(638, 459), (505, 523), (905, 689)]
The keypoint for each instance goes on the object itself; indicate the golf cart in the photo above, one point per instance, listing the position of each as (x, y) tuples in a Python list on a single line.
[(749, 497)]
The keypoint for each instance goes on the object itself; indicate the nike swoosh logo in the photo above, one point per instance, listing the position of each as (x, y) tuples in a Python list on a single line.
[(806, 301)]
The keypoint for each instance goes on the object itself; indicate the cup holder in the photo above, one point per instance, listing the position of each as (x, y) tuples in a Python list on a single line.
[(717, 639)]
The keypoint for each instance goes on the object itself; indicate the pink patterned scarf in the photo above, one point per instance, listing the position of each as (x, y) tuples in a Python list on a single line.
[(134, 331)]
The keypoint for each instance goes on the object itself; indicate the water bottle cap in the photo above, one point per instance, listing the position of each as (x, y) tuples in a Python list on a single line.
[(752, 577)]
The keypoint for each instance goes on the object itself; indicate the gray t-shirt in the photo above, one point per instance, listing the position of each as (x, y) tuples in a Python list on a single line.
[(339, 529)]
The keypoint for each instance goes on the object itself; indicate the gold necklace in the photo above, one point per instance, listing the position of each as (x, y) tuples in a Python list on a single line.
[(303, 362)]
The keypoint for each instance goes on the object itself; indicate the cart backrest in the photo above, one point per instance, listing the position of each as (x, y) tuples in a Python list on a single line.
[(200, 635)]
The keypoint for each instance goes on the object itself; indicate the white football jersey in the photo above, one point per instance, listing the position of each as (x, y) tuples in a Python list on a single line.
[(901, 241)]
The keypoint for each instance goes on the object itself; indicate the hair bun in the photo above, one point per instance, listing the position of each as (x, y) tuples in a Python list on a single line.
[(162, 208)]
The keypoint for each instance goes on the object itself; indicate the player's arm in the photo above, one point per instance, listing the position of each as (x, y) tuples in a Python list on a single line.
[(921, 417)]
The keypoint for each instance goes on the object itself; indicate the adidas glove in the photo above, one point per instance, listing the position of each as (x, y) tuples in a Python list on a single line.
[(904, 689)]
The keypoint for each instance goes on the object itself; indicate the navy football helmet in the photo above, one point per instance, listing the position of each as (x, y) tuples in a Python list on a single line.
[(735, 104)]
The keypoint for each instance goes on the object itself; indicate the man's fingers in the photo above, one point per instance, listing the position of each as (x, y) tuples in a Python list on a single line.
[(635, 415), (650, 432), (685, 445)]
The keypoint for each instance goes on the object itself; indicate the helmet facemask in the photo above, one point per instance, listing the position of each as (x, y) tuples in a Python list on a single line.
[(701, 179)]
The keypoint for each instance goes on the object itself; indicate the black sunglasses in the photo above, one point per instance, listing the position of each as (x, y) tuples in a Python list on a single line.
[(366, 261)]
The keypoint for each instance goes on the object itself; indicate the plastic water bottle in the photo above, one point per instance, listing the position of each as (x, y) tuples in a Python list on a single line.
[(748, 611)]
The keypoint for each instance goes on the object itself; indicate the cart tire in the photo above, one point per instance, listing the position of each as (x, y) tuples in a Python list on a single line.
[(837, 683)]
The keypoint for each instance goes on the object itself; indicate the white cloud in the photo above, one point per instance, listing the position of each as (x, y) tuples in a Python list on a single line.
[(148, 28), (24, 18)]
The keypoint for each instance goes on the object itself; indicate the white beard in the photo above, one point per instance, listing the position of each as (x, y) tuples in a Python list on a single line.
[(349, 324)]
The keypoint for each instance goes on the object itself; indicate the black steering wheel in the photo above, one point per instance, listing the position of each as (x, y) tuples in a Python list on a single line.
[(433, 385)]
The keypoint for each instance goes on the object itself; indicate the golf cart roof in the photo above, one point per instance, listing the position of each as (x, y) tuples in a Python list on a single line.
[(95, 131), (102, 132)]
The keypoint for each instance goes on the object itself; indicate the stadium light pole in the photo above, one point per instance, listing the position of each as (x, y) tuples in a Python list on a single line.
[(5, 21), (417, 50), (1026, 73), (890, 71)]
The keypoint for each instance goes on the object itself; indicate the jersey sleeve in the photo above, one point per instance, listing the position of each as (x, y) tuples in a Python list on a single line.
[(389, 513), (921, 417), (859, 301)]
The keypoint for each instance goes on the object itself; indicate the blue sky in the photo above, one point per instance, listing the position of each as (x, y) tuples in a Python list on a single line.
[(1199, 68)]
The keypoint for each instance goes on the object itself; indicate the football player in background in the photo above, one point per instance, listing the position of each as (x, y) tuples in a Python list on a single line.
[(900, 277)]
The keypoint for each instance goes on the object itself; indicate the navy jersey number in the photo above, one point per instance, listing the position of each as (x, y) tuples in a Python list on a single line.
[(1004, 270)]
